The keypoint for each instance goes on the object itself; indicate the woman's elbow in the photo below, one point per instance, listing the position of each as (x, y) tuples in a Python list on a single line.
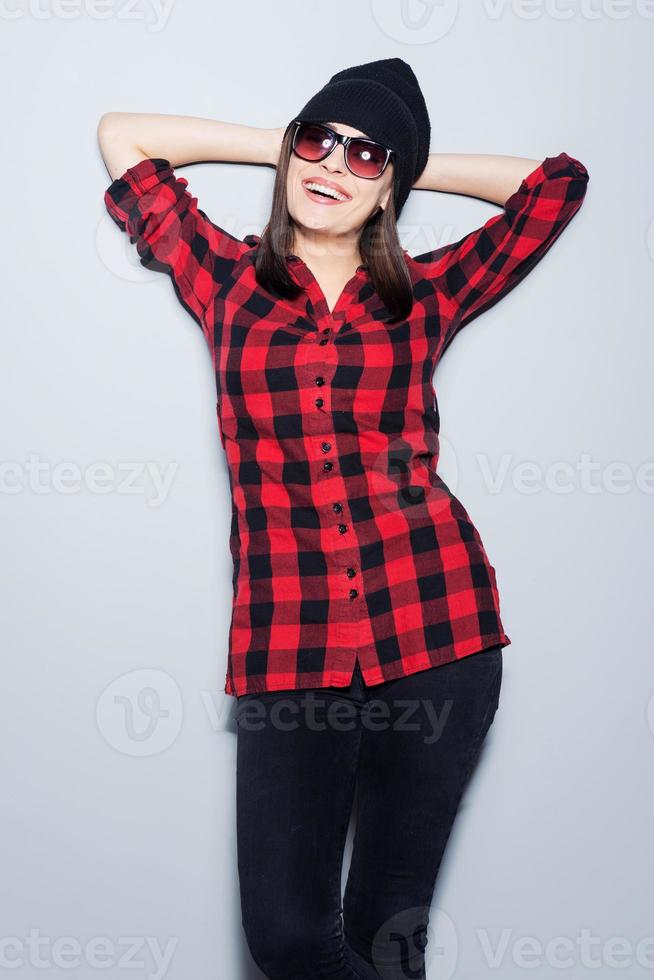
[(108, 127), (116, 144)]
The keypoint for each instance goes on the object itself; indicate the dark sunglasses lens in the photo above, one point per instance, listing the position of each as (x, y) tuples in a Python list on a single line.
[(365, 159), (313, 142)]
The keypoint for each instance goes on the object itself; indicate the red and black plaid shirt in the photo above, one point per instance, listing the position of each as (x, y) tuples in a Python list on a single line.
[(346, 543)]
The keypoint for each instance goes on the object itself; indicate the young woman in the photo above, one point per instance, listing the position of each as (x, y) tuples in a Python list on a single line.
[(365, 646)]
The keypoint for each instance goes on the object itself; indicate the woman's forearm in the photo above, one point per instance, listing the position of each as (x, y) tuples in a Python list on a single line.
[(488, 176), (127, 137)]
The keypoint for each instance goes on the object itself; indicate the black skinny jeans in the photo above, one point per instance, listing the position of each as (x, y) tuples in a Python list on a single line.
[(406, 748)]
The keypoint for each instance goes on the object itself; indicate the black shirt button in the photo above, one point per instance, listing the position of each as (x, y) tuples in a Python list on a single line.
[(326, 446), (323, 342), (342, 528), (318, 403), (350, 572), (326, 330), (320, 380), (353, 593), (328, 465), (337, 508)]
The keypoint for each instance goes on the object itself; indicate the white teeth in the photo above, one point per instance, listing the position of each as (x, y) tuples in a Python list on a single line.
[(313, 185)]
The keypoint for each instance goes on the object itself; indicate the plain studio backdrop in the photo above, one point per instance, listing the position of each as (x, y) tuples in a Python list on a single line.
[(118, 744)]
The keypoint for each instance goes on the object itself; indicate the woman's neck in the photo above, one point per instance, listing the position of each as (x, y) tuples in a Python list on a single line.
[(328, 253)]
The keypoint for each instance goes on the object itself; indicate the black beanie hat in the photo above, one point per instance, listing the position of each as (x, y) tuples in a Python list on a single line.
[(383, 99)]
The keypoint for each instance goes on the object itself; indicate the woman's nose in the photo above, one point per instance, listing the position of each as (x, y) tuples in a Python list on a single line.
[(335, 162)]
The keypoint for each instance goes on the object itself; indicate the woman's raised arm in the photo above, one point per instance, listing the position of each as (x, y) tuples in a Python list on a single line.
[(538, 201), (488, 176), (125, 138), (152, 203)]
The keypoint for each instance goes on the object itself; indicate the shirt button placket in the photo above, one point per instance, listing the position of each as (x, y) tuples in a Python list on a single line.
[(328, 465)]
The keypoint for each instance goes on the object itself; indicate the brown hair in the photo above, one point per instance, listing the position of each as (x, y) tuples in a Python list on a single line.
[(379, 245)]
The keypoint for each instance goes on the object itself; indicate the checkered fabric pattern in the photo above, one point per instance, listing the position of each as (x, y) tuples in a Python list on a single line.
[(346, 543)]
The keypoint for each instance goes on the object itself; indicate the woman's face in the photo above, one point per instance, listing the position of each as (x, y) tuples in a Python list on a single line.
[(328, 215)]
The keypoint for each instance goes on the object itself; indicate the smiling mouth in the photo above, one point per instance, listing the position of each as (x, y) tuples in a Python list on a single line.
[(322, 193)]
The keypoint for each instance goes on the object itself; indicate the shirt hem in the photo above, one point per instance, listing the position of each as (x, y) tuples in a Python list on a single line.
[(373, 675)]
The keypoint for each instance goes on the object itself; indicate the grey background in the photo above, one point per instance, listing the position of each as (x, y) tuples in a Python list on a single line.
[(118, 786)]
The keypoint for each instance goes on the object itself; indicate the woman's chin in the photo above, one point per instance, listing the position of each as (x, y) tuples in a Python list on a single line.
[(315, 221), (310, 221)]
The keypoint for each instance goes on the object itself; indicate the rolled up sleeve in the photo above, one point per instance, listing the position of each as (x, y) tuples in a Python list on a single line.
[(172, 235), (472, 274)]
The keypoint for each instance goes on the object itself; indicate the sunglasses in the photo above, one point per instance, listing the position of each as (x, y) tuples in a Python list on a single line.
[(363, 157)]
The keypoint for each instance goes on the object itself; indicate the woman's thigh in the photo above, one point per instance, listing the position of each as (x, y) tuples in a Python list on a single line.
[(416, 758), (297, 754)]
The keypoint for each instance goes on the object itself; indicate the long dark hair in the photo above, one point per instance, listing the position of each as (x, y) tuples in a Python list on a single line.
[(379, 246)]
